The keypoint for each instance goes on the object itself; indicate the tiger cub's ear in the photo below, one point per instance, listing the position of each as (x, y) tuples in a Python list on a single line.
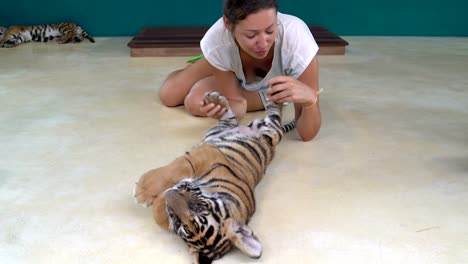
[(244, 239)]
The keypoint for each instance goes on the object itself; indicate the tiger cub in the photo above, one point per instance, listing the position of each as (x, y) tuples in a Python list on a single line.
[(2, 32), (206, 196), (62, 32)]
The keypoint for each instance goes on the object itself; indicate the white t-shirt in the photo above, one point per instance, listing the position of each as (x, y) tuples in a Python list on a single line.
[(295, 47)]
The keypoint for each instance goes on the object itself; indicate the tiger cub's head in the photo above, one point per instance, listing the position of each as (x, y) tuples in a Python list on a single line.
[(2, 32), (204, 222)]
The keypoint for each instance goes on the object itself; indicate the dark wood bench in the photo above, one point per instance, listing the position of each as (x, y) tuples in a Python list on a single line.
[(185, 41)]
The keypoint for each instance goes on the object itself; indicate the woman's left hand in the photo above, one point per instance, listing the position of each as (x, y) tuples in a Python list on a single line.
[(287, 89)]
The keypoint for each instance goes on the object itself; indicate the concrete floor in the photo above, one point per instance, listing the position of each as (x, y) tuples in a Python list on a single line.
[(385, 181)]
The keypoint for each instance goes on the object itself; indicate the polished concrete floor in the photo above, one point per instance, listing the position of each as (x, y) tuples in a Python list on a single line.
[(385, 181)]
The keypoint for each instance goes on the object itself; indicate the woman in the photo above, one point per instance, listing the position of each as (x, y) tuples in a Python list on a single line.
[(251, 55)]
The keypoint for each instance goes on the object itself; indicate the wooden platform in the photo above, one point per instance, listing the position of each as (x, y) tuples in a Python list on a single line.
[(185, 41)]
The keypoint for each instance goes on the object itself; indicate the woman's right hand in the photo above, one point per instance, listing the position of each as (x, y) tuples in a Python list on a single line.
[(212, 110)]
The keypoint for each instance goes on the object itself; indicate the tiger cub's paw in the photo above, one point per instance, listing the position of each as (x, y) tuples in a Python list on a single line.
[(61, 41), (147, 188), (142, 197), (216, 98)]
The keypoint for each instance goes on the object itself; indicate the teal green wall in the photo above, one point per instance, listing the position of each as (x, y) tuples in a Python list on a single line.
[(346, 18)]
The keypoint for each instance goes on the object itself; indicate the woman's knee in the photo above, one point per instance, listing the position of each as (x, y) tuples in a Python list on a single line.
[(167, 92), (166, 97), (192, 104)]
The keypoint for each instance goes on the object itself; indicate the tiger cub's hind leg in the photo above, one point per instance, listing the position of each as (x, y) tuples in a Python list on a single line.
[(270, 126), (66, 38), (273, 109), (228, 119)]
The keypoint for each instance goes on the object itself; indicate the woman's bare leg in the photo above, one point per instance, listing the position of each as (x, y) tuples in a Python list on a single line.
[(195, 97), (179, 83), (188, 86), (254, 102)]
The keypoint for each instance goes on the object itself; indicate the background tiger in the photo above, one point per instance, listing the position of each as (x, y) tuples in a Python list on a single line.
[(2, 32), (206, 196), (62, 32)]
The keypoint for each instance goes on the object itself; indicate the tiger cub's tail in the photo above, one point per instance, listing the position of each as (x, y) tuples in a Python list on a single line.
[(87, 36), (289, 126)]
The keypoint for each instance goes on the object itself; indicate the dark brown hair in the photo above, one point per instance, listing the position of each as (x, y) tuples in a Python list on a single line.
[(237, 10)]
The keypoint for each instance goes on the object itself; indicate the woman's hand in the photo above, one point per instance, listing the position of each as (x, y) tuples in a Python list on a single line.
[(287, 89), (212, 110)]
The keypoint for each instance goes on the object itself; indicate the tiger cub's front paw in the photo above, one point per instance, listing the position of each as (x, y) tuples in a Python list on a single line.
[(216, 98), (148, 187), (142, 196)]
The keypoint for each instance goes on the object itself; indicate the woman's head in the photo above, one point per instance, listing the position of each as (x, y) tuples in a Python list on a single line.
[(237, 10), (253, 24)]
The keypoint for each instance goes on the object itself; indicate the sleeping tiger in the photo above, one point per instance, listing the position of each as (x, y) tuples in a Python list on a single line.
[(2, 32), (62, 32), (207, 195)]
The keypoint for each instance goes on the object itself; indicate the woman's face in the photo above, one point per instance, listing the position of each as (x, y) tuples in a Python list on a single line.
[(256, 34)]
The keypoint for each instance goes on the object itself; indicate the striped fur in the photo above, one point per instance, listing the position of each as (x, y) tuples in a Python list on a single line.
[(62, 32), (2, 32), (207, 195)]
